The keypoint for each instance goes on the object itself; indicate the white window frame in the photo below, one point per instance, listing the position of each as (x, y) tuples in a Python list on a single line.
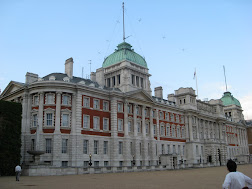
[(147, 128), (96, 124), (139, 127), (47, 98), (36, 102), (85, 146), (88, 124), (168, 129), (107, 120), (96, 106), (120, 150), (173, 131), (68, 100), (35, 122), (49, 111), (138, 110), (105, 107), (96, 147), (178, 132), (86, 102), (105, 147), (130, 126), (64, 146), (120, 107), (48, 146), (66, 112), (162, 130), (120, 124)]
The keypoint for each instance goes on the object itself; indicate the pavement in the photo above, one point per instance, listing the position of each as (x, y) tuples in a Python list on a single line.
[(199, 178)]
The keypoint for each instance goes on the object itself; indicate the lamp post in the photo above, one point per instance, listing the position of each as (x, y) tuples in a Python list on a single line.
[(90, 159), (133, 162)]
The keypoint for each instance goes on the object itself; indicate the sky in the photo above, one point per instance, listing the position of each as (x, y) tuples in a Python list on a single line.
[(176, 37)]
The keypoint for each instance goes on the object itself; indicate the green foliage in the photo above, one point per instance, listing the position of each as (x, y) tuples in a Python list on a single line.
[(10, 136)]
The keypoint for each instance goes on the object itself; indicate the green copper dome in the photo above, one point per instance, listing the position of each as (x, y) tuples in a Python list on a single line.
[(228, 99), (124, 52)]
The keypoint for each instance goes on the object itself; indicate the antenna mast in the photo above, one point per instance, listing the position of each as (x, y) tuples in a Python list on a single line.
[(123, 23), (90, 67), (225, 77)]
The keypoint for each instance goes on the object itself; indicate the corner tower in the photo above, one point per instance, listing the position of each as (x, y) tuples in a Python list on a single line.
[(124, 69)]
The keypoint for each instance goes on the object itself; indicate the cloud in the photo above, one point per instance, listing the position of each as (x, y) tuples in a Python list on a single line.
[(246, 103)]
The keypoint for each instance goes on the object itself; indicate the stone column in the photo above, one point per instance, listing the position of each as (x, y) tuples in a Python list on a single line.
[(187, 127), (220, 131), (152, 141), (151, 124), (157, 118), (197, 128), (114, 132), (190, 128), (57, 141), (25, 128), (144, 142), (126, 129), (135, 120), (41, 108)]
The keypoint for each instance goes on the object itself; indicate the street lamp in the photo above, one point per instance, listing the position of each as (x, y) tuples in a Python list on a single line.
[(90, 159), (133, 162)]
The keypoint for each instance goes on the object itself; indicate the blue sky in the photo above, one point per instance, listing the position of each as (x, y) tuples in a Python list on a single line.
[(175, 37)]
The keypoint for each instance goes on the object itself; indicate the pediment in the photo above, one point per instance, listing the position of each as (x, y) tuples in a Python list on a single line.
[(12, 87), (139, 95)]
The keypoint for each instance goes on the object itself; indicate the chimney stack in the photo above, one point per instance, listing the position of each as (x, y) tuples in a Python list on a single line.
[(31, 77), (69, 67), (159, 92)]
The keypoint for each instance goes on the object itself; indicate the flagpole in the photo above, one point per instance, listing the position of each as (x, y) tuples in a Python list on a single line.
[(196, 84)]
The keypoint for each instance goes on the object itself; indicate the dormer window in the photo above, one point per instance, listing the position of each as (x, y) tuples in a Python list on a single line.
[(52, 78), (66, 79)]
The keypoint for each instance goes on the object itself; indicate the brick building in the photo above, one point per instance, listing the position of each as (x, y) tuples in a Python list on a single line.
[(114, 121)]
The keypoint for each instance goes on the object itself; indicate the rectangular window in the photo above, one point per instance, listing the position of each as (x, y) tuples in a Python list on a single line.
[(120, 148), (183, 151), (96, 104), (163, 150), (96, 163), (105, 147), (105, 106), (36, 100), (96, 123), (140, 148), (197, 150), (142, 83), (48, 146), (154, 129), (106, 163), (137, 110), (137, 81), (174, 149), (118, 79), (167, 131), (86, 121), (129, 109), (86, 102), (129, 126), (49, 99), (179, 149), (120, 107), (113, 81), (33, 144), (64, 146), (147, 128), (85, 164), (108, 82), (131, 148), (49, 119), (139, 127), (120, 125), (120, 163), (64, 163), (96, 147), (65, 120), (105, 124), (162, 132), (168, 149), (132, 79), (35, 120), (85, 147), (65, 99)]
